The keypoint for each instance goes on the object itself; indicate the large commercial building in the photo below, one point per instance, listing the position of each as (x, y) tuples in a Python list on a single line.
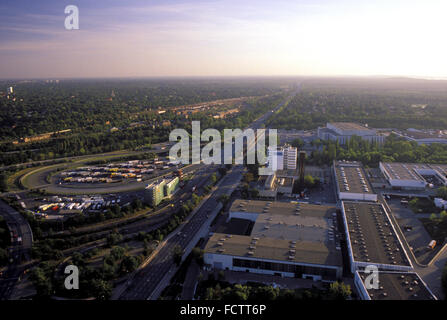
[(411, 175), (372, 239), (287, 239), (343, 132), (393, 286), (351, 181)]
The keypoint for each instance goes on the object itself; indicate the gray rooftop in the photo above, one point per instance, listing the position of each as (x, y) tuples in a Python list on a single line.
[(351, 178), (399, 286), (371, 234)]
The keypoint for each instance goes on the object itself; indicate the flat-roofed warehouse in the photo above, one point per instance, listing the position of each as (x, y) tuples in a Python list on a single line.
[(344, 131), (371, 238), (393, 286), (351, 181), (287, 239), (410, 175)]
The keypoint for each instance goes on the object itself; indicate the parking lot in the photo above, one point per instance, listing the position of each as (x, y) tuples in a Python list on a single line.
[(412, 227), (324, 193)]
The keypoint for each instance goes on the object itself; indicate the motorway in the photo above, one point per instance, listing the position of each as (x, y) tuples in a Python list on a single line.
[(147, 279), (18, 252)]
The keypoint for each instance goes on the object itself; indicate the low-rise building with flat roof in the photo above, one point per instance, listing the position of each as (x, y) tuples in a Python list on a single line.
[(344, 131), (393, 286), (351, 181), (287, 239), (410, 176), (372, 239)]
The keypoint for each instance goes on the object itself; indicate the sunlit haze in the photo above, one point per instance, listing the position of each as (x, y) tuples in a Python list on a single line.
[(224, 38)]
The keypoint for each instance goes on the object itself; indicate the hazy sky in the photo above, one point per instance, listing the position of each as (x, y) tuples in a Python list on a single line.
[(202, 38)]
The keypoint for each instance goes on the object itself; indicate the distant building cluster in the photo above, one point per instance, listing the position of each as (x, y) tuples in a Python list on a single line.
[(344, 131), (40, 137), (224, 114)]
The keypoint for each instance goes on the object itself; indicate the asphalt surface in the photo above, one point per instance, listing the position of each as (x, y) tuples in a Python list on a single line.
[(18, 252)]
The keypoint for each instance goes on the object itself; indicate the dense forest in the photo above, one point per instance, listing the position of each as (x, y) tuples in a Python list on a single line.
[(108, 115), (389, 103)]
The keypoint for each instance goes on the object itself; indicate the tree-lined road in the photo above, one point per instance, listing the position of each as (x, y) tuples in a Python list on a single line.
[(18, 252)]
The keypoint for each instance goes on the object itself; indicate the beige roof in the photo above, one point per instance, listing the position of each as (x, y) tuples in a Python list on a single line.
[(276, 207), (308, 230), (274, 249)]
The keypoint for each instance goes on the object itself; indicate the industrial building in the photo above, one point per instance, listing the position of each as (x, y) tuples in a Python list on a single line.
[(351, 181), (410, 176), (344, 131), (394, 286), (423, 136), (372, 239), (287, 239)]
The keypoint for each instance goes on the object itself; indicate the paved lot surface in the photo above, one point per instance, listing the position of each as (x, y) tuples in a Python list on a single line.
[(418, 237), (431, 274), (325, 193)]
